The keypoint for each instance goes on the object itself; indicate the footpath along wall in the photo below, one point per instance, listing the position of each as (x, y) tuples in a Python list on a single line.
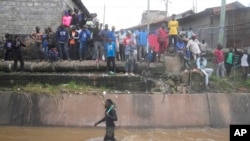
[(186, 110)]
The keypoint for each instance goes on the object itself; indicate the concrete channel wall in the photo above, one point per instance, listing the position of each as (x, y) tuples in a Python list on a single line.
[(182, 110)]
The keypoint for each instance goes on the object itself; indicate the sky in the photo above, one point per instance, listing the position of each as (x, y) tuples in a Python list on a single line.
[(127, 13)]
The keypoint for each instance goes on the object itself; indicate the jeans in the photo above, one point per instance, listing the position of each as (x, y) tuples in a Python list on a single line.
[(63, 47), (220, 69), (129, 62), (207, 72), (142, 52), (97, 53), (45, 52), (83, 50)]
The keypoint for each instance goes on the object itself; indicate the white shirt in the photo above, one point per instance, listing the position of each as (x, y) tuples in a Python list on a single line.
[(203, 46), (193, 45), (244, 62), (122, 37)]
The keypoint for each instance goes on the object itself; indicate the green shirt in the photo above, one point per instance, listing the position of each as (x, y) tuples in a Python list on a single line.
[(230, 58)]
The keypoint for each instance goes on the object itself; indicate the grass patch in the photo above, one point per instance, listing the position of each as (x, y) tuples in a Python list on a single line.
[(222, 85), (69, 88)]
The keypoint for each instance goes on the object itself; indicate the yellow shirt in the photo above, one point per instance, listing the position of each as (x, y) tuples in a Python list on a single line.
[(173, 27)]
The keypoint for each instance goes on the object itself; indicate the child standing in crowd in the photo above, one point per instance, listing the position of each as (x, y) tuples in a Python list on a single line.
[(53, 55), (110, 48), (17, 53)]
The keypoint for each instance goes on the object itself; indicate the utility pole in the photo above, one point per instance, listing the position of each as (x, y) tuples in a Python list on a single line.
[(104, 10), (166, 8), (196, 6), (148, 24), (222, 22)]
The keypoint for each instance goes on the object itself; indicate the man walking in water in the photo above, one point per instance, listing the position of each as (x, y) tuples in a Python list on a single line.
[(110, 117)]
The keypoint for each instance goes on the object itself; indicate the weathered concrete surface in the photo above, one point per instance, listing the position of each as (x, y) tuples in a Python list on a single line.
[(76, 66), (208, 110), (228, 109), (172, 63)]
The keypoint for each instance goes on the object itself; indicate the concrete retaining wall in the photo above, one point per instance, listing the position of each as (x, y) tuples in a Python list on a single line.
[(206, 110)]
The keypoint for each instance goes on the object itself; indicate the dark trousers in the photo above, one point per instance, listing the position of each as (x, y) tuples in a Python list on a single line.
[(7, 55), (244, 72), (111, 60), (73, 51), (18, 57), (171, 37), (110, 134), (122, 52), (38, 50), (228, 68)]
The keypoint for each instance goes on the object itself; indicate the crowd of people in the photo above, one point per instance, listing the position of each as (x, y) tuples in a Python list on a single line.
[(81, 38)]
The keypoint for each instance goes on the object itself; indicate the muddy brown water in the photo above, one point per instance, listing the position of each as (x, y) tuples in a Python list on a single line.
[(12, 133)]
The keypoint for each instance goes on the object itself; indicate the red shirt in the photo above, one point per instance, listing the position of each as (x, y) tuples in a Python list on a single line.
[(219, 56), (128, 41), (162, 33)]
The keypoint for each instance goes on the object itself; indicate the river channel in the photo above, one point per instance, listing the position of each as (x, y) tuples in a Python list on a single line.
[(13, 133)]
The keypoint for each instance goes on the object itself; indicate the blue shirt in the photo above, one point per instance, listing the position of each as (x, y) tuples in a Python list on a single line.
[(180, 45), (110, 48), (62, 35), (84, 35), (201, 64), (111, 35), (143, 36)]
